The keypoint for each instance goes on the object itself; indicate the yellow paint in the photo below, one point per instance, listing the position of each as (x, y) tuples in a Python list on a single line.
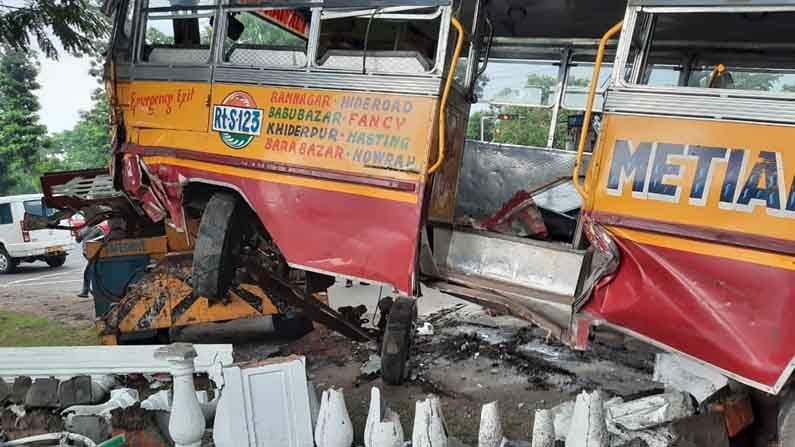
[(731, 135), (165, 105), (597, 67), (375, 134), (127, 247), (369, 191), (707, 248), (459, 42)]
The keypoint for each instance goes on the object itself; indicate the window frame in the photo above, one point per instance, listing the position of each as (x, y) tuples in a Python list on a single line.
[(225, 8), (622, 62), (142, 14), (443, 14)]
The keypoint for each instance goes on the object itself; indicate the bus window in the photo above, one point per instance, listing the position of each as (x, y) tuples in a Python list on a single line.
[(267, 38), (383, 40), (177, 36), (717, 50), (515, 100), (124, 33), (578, 83)]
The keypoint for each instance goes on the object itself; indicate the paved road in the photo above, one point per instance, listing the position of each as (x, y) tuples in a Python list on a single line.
[(39, 275)]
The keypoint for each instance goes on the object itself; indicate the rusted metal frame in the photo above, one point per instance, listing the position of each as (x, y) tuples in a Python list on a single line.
[(274, 286)]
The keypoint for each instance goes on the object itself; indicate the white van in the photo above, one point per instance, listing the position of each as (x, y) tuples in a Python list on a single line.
[(16, 246)]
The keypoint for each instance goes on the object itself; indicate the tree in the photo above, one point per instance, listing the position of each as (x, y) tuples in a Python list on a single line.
[(22, 137), (87, 144), (76, 23)]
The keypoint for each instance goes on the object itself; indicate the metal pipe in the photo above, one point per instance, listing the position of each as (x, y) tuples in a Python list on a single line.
[(446, 94), (563, 76), (589, 109)]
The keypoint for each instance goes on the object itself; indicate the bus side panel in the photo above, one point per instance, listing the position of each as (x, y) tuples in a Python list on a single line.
[(703, 213), (319, 225), (165, 105), (337, 178)]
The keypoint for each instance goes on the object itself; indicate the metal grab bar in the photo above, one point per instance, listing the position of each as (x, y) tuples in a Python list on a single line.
[(586, 125), (448, 85)]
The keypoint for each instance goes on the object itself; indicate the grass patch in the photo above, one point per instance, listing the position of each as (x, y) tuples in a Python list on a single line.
[(27, 330)]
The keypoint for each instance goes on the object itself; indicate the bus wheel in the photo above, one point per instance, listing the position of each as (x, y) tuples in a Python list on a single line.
[(786, 419), (398, 336), (217, 247)]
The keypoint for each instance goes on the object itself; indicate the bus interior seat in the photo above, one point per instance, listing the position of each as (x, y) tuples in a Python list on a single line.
[(165, 54), (410, 62), (266, 56)]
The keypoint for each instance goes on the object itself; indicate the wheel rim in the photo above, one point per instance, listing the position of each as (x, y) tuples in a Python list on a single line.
[(3, 262)]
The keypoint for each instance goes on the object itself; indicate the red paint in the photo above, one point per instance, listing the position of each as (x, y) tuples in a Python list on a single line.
[(709, 234), (344, 234), (732, 314)]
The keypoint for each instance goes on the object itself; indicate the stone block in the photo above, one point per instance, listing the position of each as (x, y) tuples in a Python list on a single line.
[(43, 393), (96, 428), (5, 391), (20, 389), (76, 391)]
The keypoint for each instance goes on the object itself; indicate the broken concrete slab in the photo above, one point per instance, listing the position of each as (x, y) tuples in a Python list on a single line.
[(77, 391), (20, 389), (701, 430), (43, 393), (648, 412), (684, 374), (5, 391), (96, 428), (119, 398)]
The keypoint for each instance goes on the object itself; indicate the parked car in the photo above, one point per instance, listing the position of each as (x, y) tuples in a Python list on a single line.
[(17, 246)]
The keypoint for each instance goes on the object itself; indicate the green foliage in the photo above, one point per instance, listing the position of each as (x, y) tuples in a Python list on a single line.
[(156, 37), (22, 137), (76, 23), (259, 31), (87, 144)]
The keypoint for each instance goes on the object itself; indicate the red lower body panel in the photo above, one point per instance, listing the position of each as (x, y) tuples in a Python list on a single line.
[(340, 233), (735, 315)]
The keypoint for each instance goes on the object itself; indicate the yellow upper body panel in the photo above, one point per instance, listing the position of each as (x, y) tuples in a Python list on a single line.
[(733, 177), (372, 134)]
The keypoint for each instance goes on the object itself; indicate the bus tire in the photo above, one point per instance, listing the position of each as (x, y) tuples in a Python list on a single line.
[(398, 337), (217, 247)]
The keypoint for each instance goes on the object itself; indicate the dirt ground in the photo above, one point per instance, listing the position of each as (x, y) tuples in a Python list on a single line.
[(54, 304), (473, 357)]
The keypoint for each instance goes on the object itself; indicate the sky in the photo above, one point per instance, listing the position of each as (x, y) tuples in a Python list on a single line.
[(66, 89)]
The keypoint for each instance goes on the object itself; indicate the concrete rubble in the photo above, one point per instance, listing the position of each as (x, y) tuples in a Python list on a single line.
[(272, 402)]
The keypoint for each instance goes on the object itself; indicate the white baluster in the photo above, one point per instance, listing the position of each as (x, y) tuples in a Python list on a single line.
[(588, 427), (334, 428), (430, 429), (383, 427), (543, 429), (186, 424), (490, 433)]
